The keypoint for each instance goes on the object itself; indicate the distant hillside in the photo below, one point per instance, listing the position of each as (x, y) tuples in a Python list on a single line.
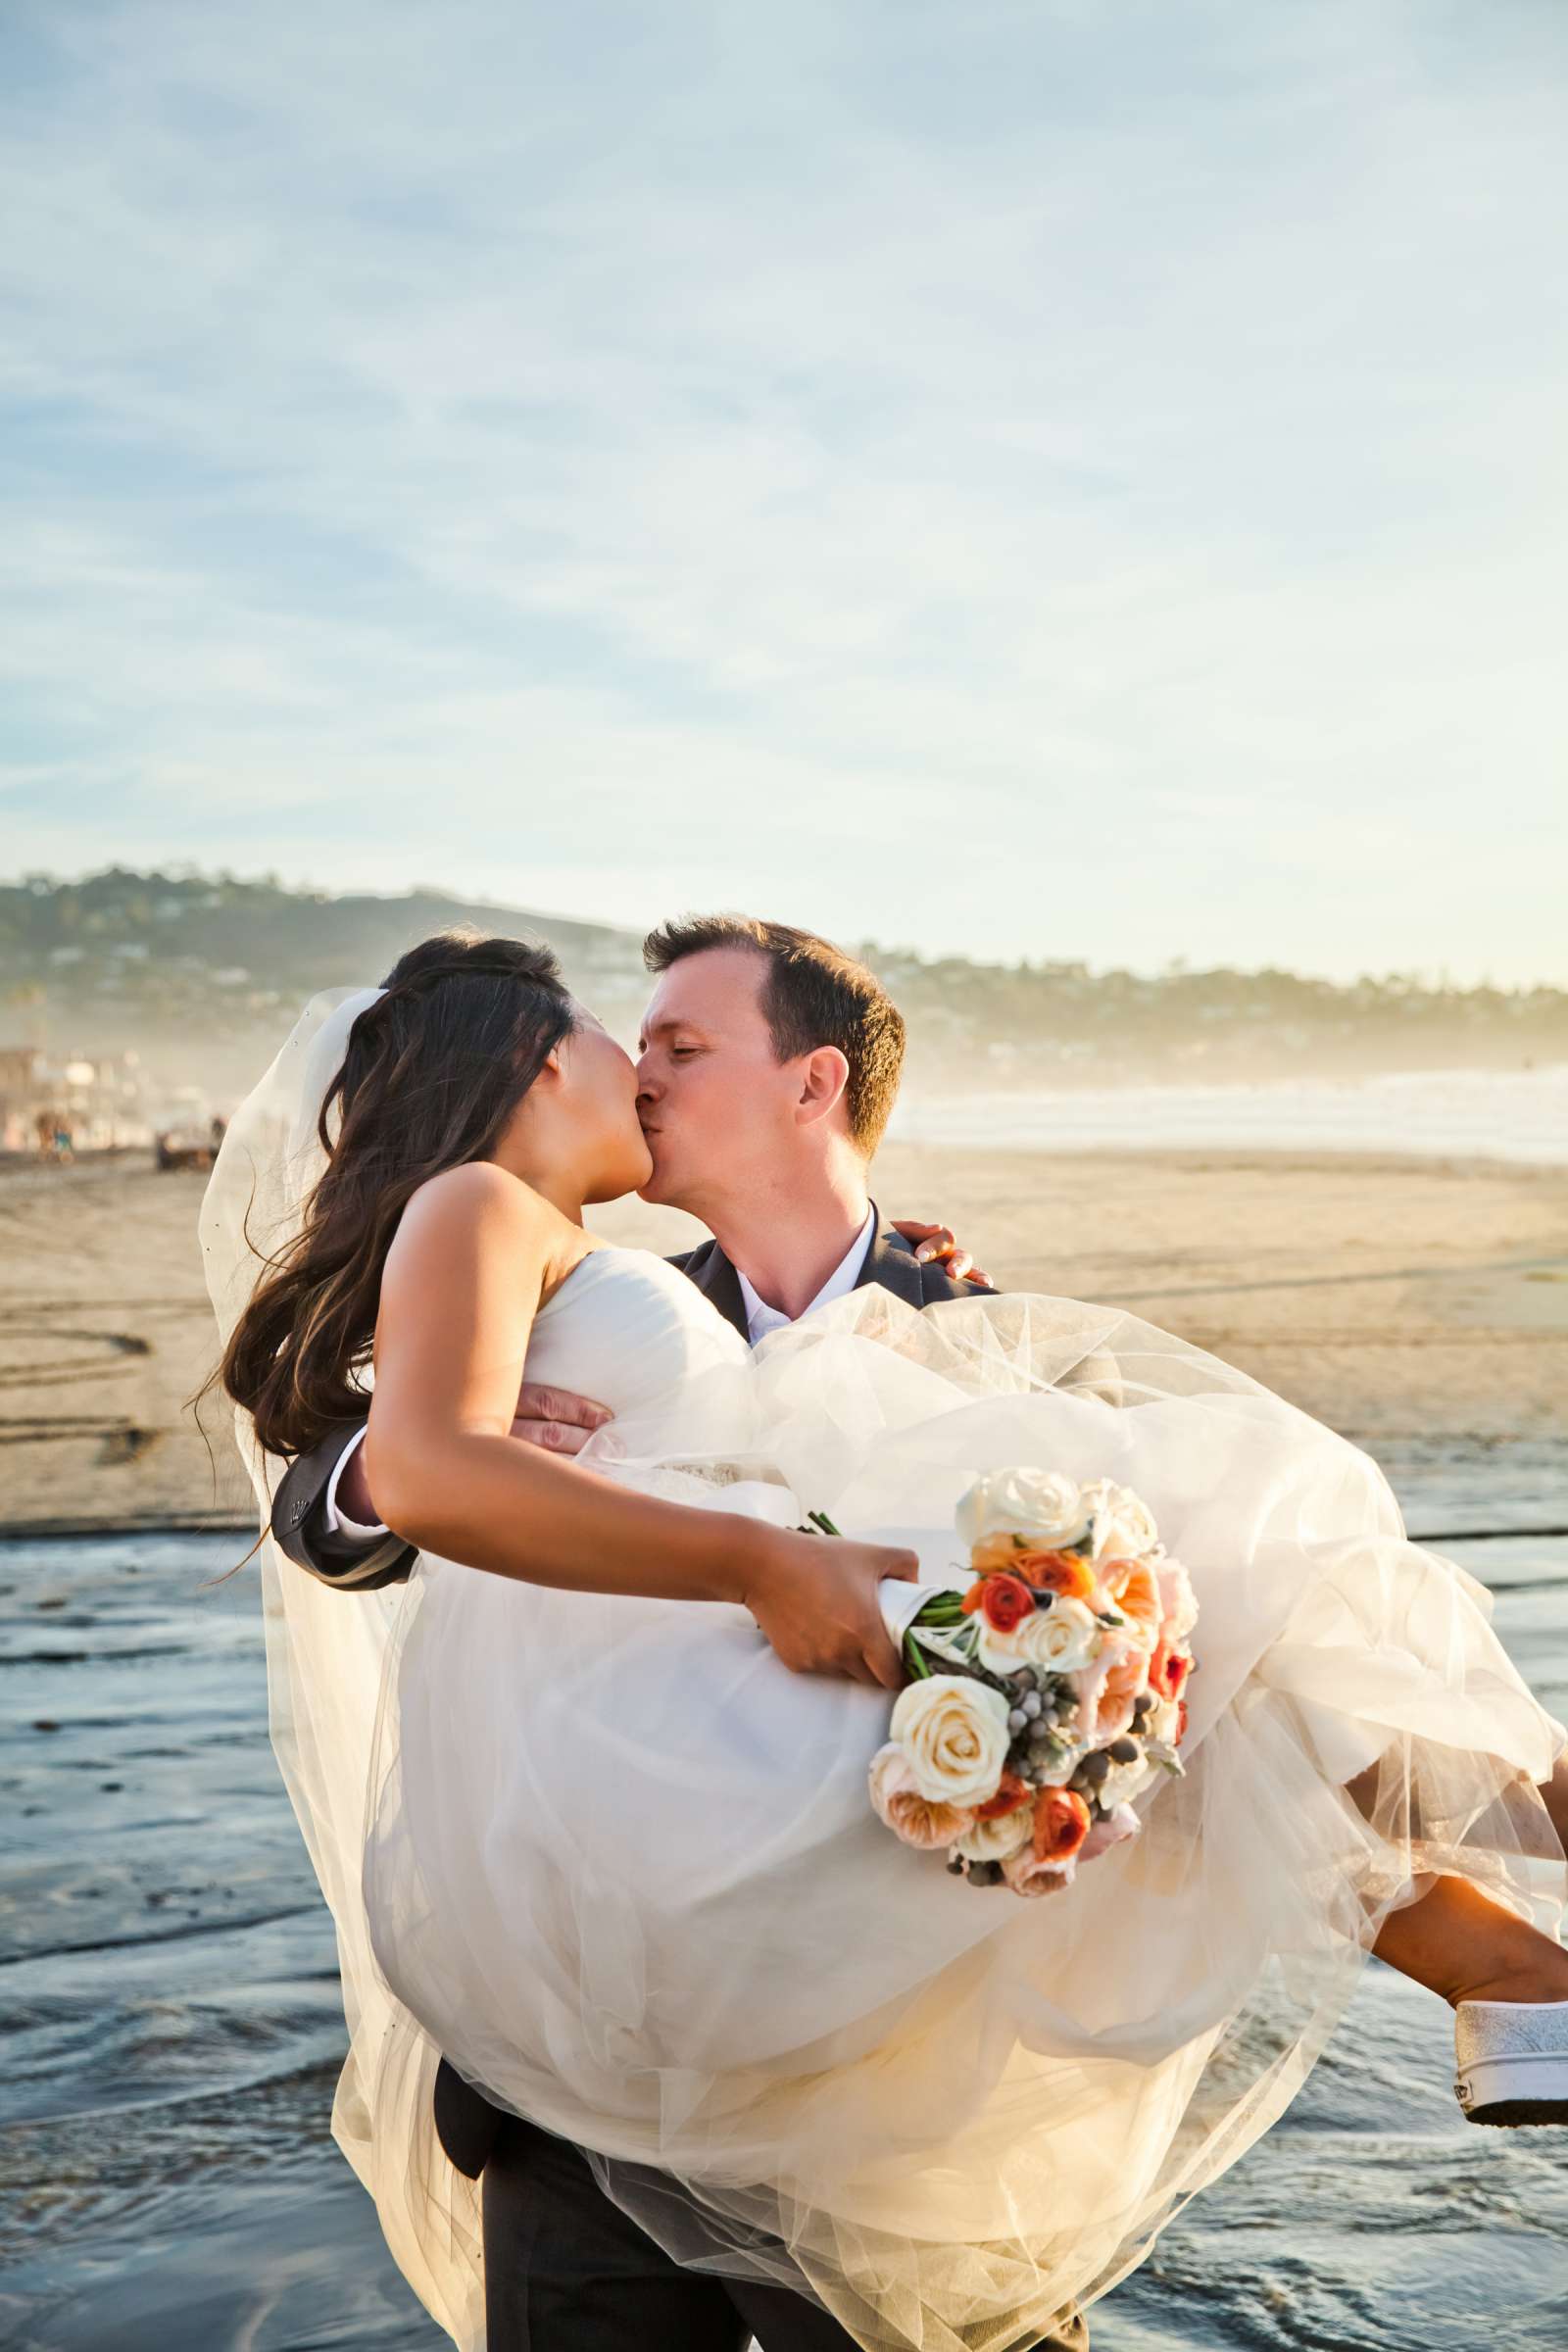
[(202, 976), (208, 972)]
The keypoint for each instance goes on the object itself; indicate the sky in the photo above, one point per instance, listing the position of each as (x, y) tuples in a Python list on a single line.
[(1050, 478)]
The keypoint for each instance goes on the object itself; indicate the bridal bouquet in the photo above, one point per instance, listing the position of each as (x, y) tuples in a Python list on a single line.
[(1046, 1695)]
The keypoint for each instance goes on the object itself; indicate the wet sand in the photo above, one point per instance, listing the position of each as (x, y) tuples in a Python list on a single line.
[(1390, 1297)]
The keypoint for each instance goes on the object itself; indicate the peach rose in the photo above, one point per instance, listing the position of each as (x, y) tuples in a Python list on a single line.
[(1133, 1586), (1109, 1829), (1119, 1655), (1026, 1875), (919, 1819)]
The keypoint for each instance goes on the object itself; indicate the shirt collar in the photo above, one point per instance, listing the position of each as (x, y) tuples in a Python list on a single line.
[(761, 1318)]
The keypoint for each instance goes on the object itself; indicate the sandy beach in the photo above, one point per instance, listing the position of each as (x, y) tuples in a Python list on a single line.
[(1391, 1297)]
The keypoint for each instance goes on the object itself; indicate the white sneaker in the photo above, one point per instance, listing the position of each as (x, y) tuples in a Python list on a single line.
[(1512, 2059)]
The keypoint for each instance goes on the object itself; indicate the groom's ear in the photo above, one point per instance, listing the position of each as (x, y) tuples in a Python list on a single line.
[(824, 1074)]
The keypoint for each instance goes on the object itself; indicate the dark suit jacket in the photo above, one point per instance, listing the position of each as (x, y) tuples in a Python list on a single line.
[(464, 2118)]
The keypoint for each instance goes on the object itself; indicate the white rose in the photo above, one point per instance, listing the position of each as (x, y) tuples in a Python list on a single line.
[(1062, 1638), (1123, 1782), (1038, 1504), (995, 1839), (1162, 1721), (1124, 1523), (953, 1730)]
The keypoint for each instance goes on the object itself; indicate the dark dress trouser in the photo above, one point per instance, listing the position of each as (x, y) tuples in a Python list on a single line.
[(567, 2271)]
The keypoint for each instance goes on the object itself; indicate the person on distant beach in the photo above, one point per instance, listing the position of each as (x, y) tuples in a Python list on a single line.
[(621, 1864)]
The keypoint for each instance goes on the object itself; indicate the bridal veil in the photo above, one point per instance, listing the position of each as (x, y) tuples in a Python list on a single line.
[(326, 1654)]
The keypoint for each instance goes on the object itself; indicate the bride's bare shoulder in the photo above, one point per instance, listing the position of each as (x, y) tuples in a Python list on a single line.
[(480, 1195)]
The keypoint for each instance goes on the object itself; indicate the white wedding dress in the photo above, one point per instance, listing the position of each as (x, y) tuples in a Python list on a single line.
[(621, 1866)]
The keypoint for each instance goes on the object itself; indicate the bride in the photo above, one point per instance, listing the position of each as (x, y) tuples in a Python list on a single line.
[(588, 1796)]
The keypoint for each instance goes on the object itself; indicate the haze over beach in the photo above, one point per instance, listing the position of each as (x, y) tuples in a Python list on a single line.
[(1067, 500), (198, 977)]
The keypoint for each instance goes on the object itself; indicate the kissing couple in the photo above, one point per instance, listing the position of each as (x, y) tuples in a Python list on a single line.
[(583, 1595)]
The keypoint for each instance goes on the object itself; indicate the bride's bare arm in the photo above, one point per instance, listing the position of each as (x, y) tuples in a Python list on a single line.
[(462, 1285)]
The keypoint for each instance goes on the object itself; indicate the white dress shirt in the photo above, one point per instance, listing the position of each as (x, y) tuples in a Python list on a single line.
[(760, 1319)]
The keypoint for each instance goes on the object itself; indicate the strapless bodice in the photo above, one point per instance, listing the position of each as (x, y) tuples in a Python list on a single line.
[(623, 1326)]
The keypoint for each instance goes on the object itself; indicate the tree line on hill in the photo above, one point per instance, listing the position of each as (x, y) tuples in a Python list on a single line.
[(212, 969)]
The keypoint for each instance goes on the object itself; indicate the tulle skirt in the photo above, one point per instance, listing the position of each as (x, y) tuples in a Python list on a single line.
[(622, 1868)]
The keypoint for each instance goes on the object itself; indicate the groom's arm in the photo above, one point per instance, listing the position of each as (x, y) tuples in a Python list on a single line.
[(310, 1526), (324, 1515)]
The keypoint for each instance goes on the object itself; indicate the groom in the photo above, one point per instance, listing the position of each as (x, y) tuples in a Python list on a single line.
[(768, 1066)]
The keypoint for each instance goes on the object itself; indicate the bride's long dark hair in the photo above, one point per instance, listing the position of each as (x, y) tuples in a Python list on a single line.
[(432, 1072)]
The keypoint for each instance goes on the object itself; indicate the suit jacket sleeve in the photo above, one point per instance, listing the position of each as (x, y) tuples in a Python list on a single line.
[(299, 1524)]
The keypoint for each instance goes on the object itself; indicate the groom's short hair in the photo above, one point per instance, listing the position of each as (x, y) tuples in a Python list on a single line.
[(814, 995)]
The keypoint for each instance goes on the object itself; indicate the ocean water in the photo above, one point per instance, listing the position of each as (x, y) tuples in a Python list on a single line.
[(170, 2028), (1495, 1114)]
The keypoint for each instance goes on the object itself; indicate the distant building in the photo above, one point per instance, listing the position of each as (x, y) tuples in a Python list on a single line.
[(94, 1100), (21, 1093)]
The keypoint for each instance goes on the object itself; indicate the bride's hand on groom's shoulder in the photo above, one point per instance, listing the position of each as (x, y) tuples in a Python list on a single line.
[(939, 1245), (816, 1599), (556, 1419)]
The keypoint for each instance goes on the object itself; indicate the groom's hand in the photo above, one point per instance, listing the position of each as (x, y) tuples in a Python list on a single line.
[(557, 1419), (938, 1244)]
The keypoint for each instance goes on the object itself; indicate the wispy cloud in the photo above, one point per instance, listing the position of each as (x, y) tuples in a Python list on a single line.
[(1043, 479)]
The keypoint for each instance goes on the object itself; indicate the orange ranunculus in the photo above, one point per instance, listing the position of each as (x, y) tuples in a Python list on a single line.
[(1011, 1793), (1168, 1670), (996, 1553), (1061, 1824), (1133, 1586), (1003, 1601), (1062, 1572)]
